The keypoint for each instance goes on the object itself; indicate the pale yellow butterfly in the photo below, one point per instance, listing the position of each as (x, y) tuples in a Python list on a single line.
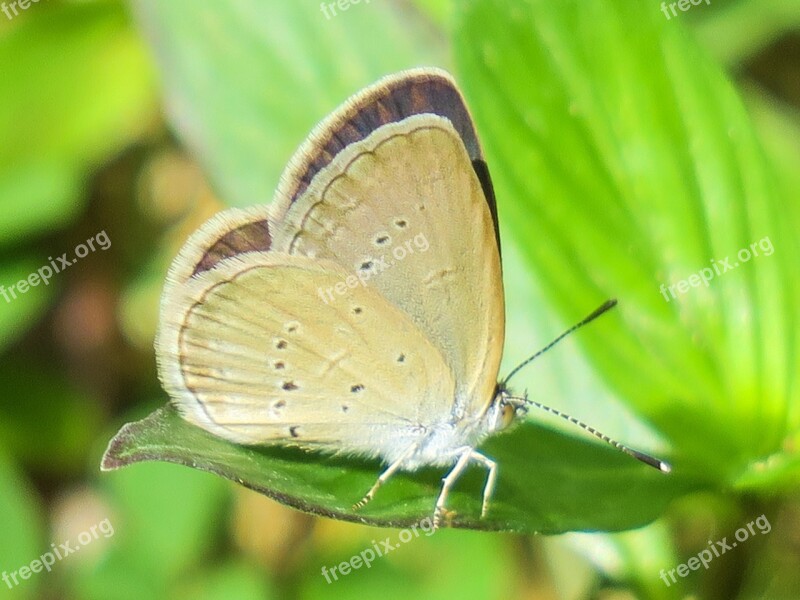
[(362, 311)]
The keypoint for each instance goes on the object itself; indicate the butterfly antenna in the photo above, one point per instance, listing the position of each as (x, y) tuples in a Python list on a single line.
[(662, 466), (606, 306)]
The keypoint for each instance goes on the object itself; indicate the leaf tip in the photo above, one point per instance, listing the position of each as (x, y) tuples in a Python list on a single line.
[(113, 456)]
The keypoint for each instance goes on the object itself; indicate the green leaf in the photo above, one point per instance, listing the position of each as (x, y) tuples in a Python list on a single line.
[(623, 160), (244, 87), (548, 482), (41, 194)]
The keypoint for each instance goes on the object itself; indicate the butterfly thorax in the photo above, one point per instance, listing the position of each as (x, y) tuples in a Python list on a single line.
[(440, 444)]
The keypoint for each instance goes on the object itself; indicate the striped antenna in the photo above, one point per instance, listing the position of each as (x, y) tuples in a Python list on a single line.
[(606, 306), (641, 456), (662, 466)]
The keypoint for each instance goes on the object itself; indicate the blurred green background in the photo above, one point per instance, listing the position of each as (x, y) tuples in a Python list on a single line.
[(628, 149)]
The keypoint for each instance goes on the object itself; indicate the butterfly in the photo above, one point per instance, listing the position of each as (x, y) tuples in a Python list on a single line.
[(362, 311)]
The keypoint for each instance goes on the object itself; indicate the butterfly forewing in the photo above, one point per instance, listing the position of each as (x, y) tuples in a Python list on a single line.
[(405, 211)]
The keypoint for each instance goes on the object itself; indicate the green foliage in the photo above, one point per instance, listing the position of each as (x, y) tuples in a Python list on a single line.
[(636, 167)]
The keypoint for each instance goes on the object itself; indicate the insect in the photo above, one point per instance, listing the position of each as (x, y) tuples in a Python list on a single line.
[(362, 311)]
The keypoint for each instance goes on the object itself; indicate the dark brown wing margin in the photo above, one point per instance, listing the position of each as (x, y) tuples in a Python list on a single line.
[(248, 237), (392, 99)]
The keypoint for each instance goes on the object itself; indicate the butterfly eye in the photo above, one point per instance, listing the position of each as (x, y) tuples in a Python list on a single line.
[(507, 415)]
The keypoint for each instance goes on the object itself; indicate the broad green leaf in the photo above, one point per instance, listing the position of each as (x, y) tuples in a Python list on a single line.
[(244, 86), (548, 482), (37, 195), (623, 160), (99, 90), (779, 127)]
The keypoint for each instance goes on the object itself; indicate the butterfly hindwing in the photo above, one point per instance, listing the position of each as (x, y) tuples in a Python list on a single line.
[(251, 352)]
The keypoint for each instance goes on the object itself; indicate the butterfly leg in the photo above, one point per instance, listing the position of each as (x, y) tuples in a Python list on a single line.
[(448, 482), (491, 479), (383, 477)]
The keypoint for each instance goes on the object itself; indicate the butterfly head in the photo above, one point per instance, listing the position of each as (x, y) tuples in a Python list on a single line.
[(505, 408)]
